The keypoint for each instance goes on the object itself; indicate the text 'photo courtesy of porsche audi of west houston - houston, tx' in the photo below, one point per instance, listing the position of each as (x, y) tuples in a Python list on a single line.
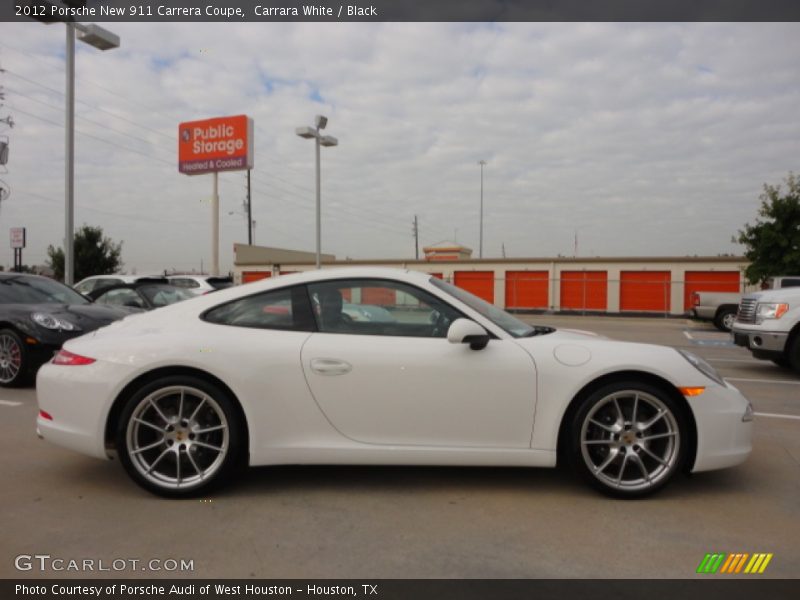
[(276, 372)]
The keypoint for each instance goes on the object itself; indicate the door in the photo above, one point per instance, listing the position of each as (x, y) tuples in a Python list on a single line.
[(403, 383)]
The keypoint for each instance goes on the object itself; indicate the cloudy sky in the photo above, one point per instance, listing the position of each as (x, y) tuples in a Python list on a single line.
[(646, 139)]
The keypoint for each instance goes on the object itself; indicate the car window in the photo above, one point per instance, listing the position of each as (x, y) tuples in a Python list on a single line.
[(34, 290), (162, 295), (499, 317), (121, 297), (220, 283), (790, 282), (184, 283), (286, 308), (379, 307), (84, 287)]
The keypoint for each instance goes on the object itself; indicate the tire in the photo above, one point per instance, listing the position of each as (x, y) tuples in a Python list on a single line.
[(793, 353), (724, 319), (614, 454), (14, 359), (180, 436)]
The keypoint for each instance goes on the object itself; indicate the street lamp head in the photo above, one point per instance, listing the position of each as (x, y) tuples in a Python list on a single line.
[(96, 36), (328, 141), (306, 132), (482, 163), (320, 121)]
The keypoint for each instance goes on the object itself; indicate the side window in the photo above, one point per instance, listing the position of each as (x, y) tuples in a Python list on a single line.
[(790, 282), (379, 307), (280, 309)]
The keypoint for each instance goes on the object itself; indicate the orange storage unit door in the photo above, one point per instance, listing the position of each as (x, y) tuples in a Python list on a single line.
[(379, 296), (645, 291), (527, 289), (480, 283), (584, 290), (709, 281), (249, 276)]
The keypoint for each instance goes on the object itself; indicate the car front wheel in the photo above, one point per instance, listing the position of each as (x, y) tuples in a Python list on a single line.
[(628, 439), (180, 436)]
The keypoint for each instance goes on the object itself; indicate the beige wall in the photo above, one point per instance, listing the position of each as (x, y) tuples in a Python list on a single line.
[(554, 266)]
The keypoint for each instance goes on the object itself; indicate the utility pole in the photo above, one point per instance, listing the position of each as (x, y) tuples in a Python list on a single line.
[(249, 213), (415, 230), (482, 163), (504, 249)]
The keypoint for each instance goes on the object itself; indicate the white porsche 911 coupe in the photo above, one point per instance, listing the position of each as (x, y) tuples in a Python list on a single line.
[(275, 372)]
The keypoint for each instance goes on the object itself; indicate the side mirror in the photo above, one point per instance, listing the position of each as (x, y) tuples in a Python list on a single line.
[(464, 331)]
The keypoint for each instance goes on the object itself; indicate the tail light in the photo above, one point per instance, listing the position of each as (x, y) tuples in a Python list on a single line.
[(695, 299), (65, 357)]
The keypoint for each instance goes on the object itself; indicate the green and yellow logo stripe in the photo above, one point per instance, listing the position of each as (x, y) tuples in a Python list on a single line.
[(740, 562)]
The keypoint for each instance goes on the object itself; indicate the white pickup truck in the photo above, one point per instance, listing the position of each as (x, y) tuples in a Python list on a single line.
[(768, 324), (721, 307)]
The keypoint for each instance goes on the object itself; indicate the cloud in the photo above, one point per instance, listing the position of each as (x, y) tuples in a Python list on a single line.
[(649, 139)]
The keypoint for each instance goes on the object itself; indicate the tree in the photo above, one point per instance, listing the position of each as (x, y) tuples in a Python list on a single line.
[(773, 242), (94, 254)]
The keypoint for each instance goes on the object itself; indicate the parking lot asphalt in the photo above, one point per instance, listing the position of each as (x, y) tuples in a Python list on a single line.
[(409, 522)]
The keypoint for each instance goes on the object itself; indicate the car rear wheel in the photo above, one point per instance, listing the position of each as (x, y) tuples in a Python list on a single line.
[(180, 436), (13, 359), (724, 319), (628, 439)]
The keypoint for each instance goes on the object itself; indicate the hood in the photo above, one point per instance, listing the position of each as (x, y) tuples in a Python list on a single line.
[(575, 335), (790, 294), (86, 316)]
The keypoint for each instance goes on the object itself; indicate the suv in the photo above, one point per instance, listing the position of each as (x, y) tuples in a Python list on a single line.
[(200, 284), (768, 324)]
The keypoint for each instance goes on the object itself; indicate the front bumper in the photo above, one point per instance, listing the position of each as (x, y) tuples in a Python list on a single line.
[(724, 437), (760, 341)]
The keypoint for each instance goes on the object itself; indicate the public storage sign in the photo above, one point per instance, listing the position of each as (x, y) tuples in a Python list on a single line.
[(219, 144)]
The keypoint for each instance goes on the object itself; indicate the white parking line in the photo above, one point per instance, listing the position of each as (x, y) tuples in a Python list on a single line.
[(9, 403), (687, 334), (774, 416), (781, 381)]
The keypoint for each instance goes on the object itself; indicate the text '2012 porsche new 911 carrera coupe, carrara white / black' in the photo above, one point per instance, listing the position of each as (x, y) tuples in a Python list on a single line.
[(278, 372)]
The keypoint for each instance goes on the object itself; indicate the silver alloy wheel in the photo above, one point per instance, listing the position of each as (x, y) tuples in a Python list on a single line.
[(177, 437), (630, 440), (10, 358)]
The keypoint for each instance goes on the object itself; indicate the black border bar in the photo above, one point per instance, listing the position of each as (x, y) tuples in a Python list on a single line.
[(264, 11), (707, 588)]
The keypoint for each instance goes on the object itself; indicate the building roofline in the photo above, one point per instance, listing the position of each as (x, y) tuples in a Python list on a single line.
[(514, 261)]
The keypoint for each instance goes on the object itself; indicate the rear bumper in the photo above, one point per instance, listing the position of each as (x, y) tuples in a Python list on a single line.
[(79, 401)]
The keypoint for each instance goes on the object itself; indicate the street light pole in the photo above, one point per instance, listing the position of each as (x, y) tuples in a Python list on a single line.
[(69, 175), (319, 140), (102, 39), (319, 203), (482, 163)]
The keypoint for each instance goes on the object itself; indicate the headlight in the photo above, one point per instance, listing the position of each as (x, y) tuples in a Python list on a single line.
[(770, 310), (49, 321), (702, 366)]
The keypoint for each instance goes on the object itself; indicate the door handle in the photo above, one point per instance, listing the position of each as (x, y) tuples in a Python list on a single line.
[(330, 366)]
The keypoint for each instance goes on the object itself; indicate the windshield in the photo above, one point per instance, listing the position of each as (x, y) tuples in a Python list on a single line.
[(162, 295), (35, 290), (499, 317)]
